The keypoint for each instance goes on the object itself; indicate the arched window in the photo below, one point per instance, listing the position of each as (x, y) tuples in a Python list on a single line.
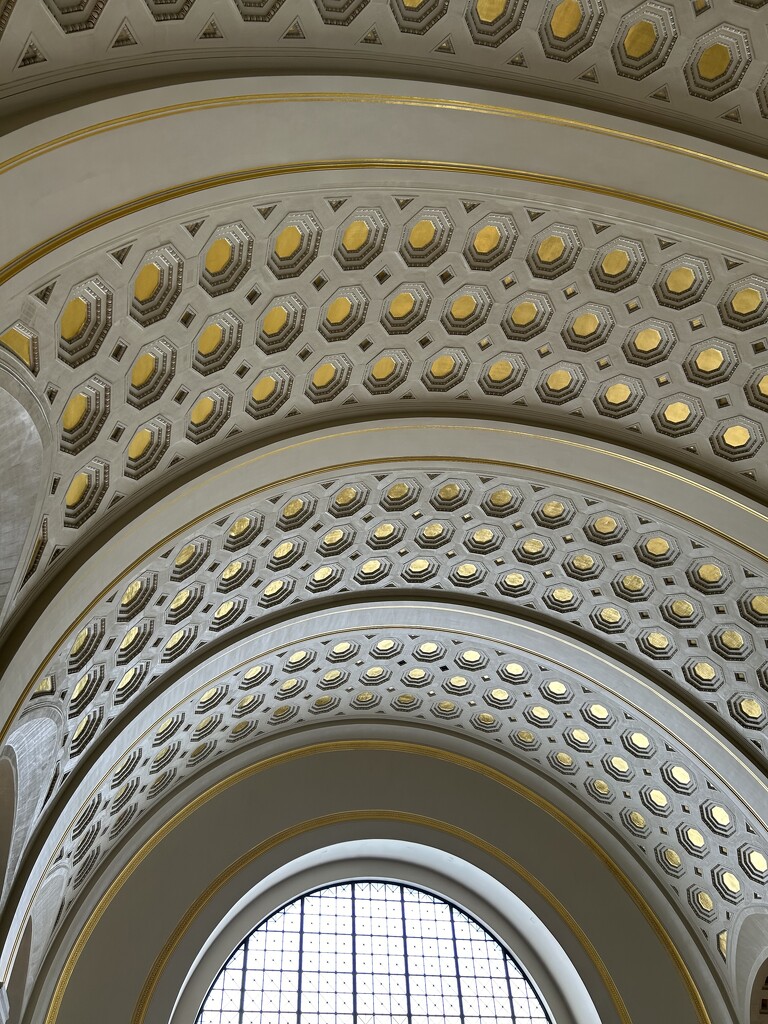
[(371, 953)]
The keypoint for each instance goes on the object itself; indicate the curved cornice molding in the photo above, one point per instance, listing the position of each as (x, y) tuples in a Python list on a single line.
[(354, 122), (679, 66)]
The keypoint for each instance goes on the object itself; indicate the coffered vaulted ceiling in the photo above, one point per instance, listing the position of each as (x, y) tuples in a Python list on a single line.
[(431, 402)]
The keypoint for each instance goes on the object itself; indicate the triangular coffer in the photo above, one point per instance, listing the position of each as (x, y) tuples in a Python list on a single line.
[(211, 31), (590, 75), (125, 36), (31, 54), (371, 37), (119, 255), (43, 294)]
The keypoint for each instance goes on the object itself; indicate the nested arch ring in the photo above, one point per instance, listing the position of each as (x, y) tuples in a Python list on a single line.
[(434, 871)]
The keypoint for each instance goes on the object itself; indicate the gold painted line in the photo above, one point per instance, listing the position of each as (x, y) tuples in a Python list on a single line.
[(484, 460), (461, 761), (651, 501), (408, 817), (533, 652), (504, 463), (41, 249), (384, 99), (356, 464)]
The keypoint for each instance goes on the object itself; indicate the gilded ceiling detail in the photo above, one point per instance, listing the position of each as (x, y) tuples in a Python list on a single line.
[(160, 350), (644, 589), (223, 375), (690, 65), (709, 855), (658, 598)]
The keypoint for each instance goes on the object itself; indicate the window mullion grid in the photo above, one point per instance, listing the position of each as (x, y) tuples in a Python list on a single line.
[(354, 953), (509, 990), (354, 947), (244, 977), (456, 965), (406, 971), (300, 958)]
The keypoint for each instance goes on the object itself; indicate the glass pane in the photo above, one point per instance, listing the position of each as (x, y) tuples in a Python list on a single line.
[(371, 953)]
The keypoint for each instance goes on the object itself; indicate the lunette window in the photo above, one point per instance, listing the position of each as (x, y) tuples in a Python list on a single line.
[(371, 953)]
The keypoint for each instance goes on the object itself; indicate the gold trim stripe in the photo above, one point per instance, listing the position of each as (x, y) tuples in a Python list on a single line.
[(161, 962), (41, 249), (461, 761), (467, 106)]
